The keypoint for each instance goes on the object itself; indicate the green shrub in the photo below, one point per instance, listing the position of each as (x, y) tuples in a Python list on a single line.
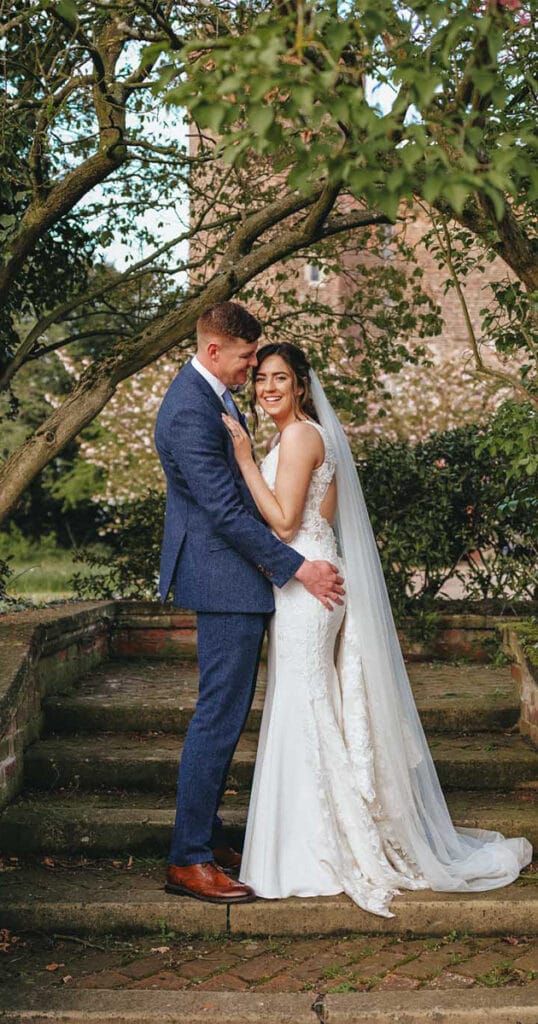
[(129, 566), (6, 572), (17, 545), (448, 507), (527, 632)]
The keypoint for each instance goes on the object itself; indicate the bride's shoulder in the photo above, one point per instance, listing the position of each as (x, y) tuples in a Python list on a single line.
[(304, 433)]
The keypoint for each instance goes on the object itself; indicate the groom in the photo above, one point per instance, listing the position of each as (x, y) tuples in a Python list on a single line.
[(221, 560)]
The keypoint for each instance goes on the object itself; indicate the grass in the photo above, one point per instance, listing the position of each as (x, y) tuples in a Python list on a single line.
[(44, 576)]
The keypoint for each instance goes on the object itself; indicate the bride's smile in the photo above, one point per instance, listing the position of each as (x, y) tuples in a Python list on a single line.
[(275, 390)]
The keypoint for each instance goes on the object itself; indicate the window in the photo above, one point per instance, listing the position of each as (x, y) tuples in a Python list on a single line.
[(314, 274)]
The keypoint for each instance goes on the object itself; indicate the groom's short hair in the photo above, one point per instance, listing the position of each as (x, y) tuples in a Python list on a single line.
[(228, 320)]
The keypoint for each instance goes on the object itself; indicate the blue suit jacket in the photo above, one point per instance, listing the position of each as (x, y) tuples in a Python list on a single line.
[(216, 547)]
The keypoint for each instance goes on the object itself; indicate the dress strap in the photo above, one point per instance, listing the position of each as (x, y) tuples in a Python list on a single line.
[(317, 426)]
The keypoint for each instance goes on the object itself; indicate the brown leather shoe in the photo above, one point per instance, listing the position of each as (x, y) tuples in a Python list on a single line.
[(206, 882), (227, 858)]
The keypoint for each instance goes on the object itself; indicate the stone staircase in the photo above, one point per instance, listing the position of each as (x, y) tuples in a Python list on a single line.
[(88, 837), (101, 783)]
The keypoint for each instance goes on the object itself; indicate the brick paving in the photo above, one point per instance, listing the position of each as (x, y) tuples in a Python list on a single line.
[(343, 964)]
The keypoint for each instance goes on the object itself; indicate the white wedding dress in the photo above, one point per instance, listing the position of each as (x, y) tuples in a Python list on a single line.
[(328, 812)]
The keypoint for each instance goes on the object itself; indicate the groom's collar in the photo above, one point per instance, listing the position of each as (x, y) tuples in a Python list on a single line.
[(218, 387), (203, 382)]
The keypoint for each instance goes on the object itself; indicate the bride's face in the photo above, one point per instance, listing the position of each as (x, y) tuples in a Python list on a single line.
[(275, 387)]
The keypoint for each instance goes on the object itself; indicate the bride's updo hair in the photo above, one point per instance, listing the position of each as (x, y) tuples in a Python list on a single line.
[(300, 368)]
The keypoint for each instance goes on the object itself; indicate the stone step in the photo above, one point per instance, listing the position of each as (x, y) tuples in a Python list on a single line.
[(143, 696), (93, 899), (485, 761), (514, 1005), (112, 824)]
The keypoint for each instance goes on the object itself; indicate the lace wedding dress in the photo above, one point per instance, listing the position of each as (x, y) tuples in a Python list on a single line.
[(326, 813)]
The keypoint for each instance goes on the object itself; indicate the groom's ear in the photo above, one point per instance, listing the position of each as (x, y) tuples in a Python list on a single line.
[(212, 347)]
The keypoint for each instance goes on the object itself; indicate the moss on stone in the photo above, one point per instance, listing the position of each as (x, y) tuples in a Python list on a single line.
[(527, 633)]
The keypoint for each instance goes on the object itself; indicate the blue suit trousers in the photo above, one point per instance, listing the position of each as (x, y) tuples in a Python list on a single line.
[(229, 648)]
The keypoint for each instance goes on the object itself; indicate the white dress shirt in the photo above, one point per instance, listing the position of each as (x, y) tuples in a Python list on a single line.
[(218, 387)]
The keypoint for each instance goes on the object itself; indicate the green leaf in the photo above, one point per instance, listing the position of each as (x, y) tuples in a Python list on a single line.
[(229, 84), (338, 35), (432, 187), (396, 179), (495, 42), (498, 202), (340, 110), (456, 193), (484, 80), (303, 98), (410, 154), (260, 119), (233, 152), (67, 10), (425, 87), (166, 75), (300, 178), (359, 180), (260, 87), (210, 115), (388, 202), (151, 52), (177, 97)]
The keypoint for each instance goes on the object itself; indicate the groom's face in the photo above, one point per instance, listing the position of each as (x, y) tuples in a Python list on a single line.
[(232, 359)]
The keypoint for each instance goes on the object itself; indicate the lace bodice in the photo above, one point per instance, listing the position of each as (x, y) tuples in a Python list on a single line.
[(313, 524)]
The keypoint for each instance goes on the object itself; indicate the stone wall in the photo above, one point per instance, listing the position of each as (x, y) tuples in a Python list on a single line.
[(525, 676), (49, 650), (43, 652)]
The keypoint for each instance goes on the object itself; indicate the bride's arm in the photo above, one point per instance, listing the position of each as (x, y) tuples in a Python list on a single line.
[(300, 452)]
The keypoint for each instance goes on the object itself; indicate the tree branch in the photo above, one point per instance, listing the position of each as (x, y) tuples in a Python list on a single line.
[(99, 382), (482, 369), (134, 273)]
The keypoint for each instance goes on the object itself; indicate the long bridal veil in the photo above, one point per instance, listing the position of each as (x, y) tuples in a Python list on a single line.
[(403, 781)]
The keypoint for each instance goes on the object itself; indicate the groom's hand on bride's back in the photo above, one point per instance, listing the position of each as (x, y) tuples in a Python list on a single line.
[(323, 580)]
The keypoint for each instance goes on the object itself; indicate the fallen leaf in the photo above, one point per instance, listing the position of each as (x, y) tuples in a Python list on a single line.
[(230, 792), (116, 863), (48, 862), (160, 949), (511, 939), (53, 967), (130, 863), (67, 978), (7, 940)]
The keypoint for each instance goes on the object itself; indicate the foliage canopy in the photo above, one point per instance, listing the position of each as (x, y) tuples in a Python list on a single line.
[(290, 153)]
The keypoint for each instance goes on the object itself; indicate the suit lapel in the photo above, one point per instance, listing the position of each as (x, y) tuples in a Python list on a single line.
[(202, 384), (206, 390)]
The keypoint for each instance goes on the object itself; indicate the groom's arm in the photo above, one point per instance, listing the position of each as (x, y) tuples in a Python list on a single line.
[(197, 447)]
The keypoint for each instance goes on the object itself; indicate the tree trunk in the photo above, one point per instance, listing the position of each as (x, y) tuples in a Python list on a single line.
[(513, 243)]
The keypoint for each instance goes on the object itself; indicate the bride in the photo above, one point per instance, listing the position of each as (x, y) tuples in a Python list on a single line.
[(345, 796)]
